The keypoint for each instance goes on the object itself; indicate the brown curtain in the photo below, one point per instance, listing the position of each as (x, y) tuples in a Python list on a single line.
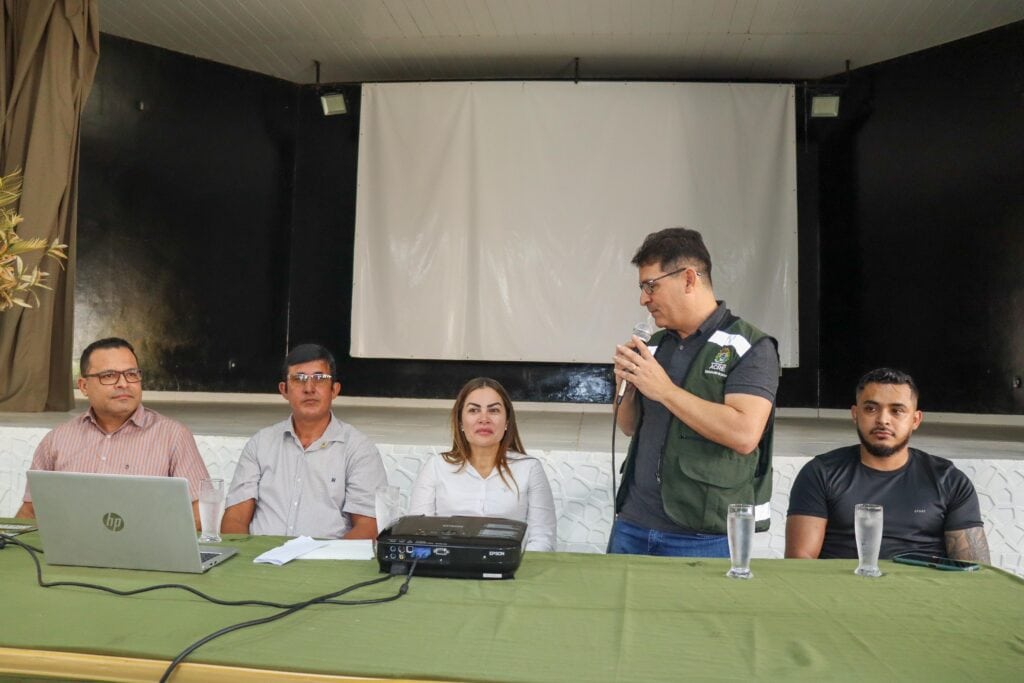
[(47, 64)]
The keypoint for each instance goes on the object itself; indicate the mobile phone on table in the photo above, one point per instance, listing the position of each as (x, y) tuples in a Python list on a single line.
[(936, 562)]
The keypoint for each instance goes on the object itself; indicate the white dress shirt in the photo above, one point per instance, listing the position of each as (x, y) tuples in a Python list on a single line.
[(442, 488)]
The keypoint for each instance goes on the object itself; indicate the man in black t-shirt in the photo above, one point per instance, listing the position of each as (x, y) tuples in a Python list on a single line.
[(929, 505)]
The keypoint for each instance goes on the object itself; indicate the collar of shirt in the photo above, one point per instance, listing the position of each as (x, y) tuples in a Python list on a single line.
[(510, 456), (140, 418), (710, 323), (335, 433)]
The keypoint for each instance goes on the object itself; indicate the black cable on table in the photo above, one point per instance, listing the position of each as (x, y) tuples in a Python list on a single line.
[(323, 599), (91, 586), (287, 608), (9, 539)]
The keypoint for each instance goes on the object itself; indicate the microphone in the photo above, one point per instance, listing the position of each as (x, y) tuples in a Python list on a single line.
[(644, 330)]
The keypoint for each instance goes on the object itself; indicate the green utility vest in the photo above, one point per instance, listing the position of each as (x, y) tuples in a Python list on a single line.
[(700, 478)]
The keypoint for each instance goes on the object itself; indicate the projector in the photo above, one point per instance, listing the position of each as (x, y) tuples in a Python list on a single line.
[(457, 547)]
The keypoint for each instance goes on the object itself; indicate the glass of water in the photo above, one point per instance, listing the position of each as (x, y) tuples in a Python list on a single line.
[(867, 527), (740, 525), (211, 509)]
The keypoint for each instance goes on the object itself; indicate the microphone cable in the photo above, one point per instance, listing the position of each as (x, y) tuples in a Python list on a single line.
[(615, 425), (644, 330)]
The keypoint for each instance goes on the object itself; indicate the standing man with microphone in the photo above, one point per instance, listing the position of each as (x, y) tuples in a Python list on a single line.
[(700, 409)]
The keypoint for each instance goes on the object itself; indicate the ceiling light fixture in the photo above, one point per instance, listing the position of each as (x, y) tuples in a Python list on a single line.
[(333, 103)]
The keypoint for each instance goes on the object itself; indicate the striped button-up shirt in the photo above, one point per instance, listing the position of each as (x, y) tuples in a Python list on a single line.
[(146, 444)]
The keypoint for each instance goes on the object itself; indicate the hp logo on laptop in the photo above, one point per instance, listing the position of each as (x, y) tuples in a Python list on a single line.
[(113, 521)]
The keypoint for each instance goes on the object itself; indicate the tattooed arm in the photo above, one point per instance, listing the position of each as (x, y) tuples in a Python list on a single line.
[(968, 544)]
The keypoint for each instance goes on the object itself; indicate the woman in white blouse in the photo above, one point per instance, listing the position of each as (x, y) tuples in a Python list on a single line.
[(486, 473)]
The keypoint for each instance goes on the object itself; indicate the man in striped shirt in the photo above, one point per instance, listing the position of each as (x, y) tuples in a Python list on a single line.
[(118, 435)]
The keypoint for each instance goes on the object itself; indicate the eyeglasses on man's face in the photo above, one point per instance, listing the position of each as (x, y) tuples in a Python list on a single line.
[(648, 286), (109, 377), (317, 378)]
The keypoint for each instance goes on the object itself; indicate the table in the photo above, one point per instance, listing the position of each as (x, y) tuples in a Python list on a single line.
[(566, 616)]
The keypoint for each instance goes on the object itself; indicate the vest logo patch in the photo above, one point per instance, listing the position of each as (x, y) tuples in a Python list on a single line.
[(720, 362)]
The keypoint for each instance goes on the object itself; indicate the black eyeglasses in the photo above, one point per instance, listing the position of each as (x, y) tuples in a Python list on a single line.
[(648, 286), (315, 378), (109, 377)]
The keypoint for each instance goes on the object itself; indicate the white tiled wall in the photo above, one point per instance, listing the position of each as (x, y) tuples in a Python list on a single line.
[(581, 484)]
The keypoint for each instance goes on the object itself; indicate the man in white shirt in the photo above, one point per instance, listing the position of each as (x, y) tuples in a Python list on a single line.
[(311, 474)]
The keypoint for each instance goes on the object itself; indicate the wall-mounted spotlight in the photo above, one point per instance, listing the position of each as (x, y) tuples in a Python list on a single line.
[(333, 103), (824, 106)]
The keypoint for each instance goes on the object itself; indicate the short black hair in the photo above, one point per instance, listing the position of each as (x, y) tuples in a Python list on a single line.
[(107, 343), (670, 246), (886, 376), (304, 353)]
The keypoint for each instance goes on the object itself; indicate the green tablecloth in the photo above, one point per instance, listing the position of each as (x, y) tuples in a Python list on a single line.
[(565, 617)]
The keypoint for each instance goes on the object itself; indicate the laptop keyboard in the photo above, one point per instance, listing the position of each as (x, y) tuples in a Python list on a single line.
[(205, 557)]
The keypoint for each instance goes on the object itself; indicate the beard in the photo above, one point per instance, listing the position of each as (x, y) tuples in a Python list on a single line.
[(881, 451)]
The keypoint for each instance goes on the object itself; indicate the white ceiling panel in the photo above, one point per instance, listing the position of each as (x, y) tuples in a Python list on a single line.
[(371, 40)]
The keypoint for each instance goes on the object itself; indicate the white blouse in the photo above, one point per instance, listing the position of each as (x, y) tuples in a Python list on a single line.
[(441, 488)]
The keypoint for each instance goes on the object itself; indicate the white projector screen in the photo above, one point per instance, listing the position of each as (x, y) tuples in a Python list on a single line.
[(496, 220)]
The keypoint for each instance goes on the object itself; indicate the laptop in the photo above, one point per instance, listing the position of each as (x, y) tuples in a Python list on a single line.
[(120, 521)]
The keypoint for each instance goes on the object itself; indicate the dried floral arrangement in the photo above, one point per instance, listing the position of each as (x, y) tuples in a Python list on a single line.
[(17, 285)]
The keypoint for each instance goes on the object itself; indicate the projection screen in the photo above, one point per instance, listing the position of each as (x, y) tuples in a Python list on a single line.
[(496, 220)]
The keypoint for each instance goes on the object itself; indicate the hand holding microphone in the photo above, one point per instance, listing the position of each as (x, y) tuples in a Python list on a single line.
[(644, 331)]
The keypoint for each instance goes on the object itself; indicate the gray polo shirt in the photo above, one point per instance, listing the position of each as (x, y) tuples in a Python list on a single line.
[(311, 491), (757, 374)]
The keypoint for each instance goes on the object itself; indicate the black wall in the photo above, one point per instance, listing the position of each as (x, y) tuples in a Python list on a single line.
[(922, 226), (216, 228), (184, 215)]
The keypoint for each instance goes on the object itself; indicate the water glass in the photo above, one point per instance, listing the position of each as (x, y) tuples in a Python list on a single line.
[(867, 528), (740, 525), (211, 509), (388, 504)]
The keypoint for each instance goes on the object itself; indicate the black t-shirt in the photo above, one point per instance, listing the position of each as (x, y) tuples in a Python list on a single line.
[(922, 500)]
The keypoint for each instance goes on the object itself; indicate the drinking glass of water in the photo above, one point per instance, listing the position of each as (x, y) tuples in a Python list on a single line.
[(740, 525), (867, 527), (211, 509)]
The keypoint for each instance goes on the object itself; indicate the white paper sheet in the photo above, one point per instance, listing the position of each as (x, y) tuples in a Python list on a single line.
[(283, 554)]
